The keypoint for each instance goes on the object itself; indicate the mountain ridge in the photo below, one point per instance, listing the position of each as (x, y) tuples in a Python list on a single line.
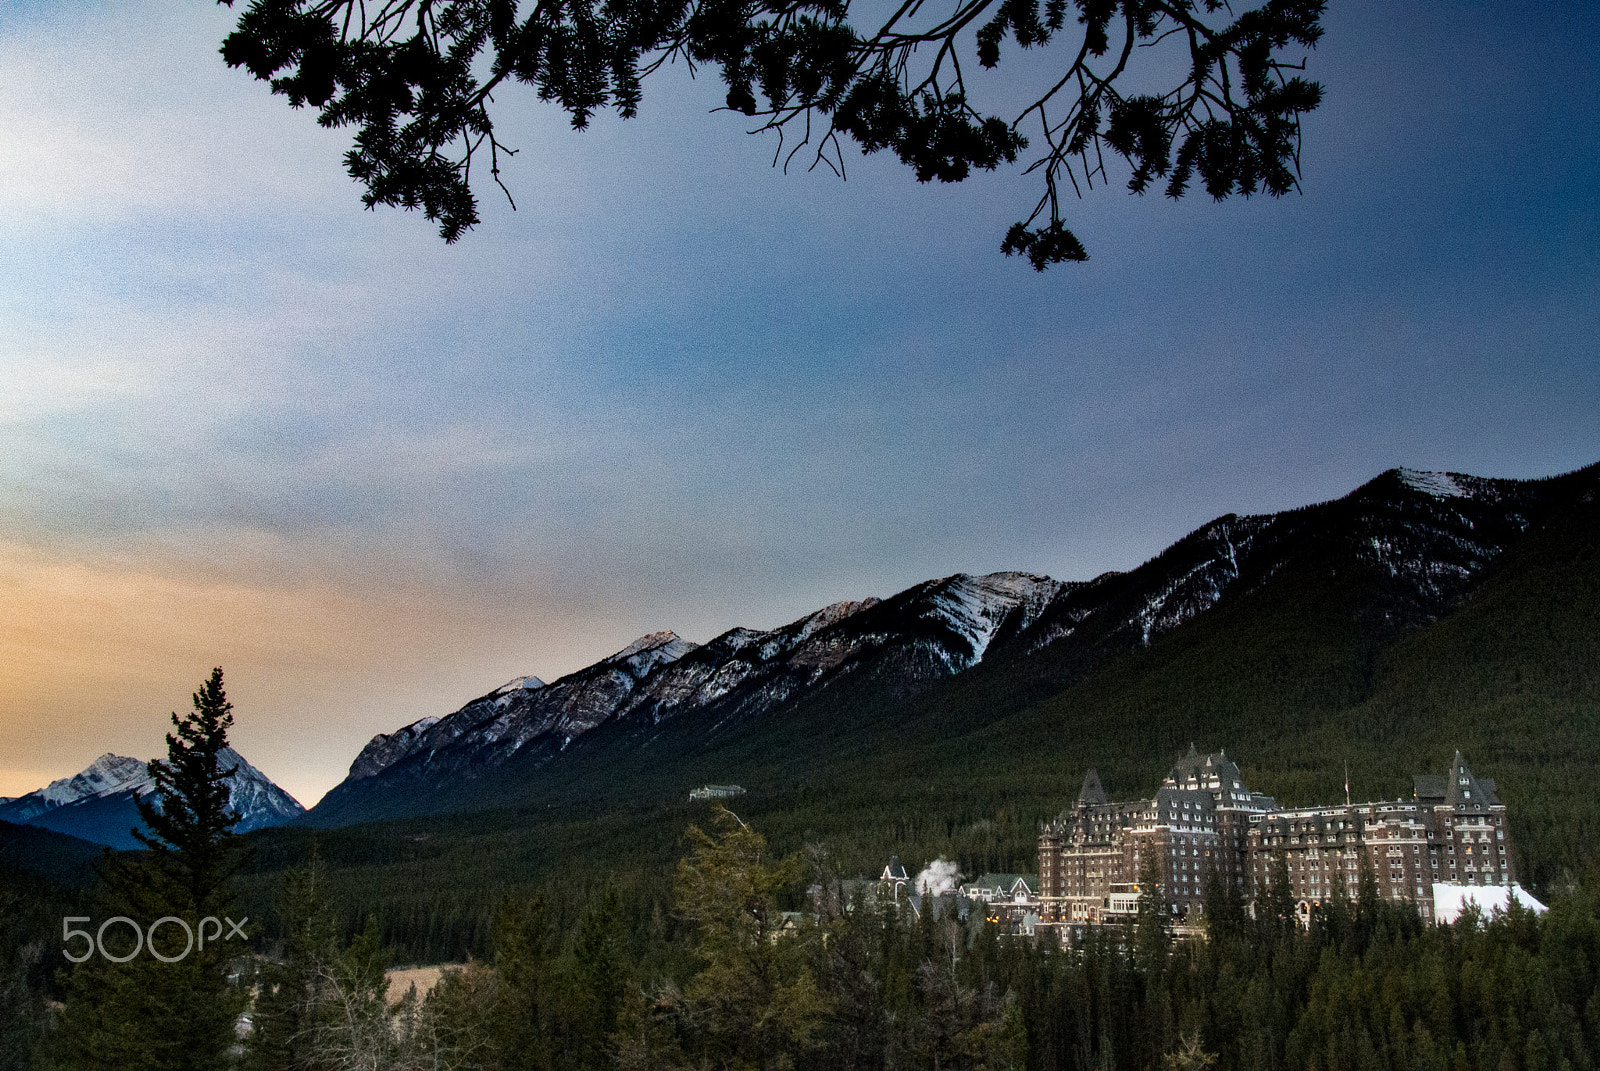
[(1425, 537)]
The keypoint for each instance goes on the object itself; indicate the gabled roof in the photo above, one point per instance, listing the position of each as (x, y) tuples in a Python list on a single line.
[(1008, 882), (1465, 792), (1427, 786), (895, 871), (1204, 767), (1432, 787)]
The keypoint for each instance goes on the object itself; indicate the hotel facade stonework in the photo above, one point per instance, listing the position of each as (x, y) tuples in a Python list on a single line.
[(1203, 820)]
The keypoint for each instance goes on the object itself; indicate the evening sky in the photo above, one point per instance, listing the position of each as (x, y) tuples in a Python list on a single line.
[(244, 422)]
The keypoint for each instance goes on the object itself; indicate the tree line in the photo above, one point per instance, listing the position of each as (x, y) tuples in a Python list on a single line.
[(733, 981)]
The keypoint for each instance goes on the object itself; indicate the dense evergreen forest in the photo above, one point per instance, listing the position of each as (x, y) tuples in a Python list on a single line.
[(711, 973), (726, 980)]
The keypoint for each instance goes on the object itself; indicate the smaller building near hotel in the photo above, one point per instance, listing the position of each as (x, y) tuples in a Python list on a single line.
[(715, 792), (1002, 889)]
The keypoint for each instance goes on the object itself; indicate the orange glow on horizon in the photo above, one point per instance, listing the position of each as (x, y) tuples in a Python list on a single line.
[(94, 656)]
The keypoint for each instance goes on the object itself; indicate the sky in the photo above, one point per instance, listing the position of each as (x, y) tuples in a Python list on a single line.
[(245, 423)]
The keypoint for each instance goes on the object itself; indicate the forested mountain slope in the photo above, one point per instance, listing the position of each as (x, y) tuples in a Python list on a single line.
[(1357, 639)]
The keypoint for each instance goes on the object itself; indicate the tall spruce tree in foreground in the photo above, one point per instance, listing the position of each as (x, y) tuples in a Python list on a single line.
[(165, 1008)]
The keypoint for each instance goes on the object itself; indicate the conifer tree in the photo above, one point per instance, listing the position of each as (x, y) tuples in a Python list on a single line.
[(520, 1016), (192, 845), (754, 999), (285, 1004), (1224, 905), (170, 1006), (21, 1005), (597, 978), (1151, 936), (1279, 914)]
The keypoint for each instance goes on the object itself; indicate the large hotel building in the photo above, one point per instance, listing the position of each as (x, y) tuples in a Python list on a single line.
[(1452, 830)]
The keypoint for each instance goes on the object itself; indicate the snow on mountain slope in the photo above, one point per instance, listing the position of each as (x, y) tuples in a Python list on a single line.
[(1197, 585), (106, 775), (508, 691), (923, 634), (500, 723), (976, 607), (1416, 542), (252, 795), (1437, 484), (385, 749), (255, 797), (109, 773)]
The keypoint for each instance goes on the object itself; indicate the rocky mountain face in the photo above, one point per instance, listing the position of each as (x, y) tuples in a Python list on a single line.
[(99, 803), (1414, 542), (107, 775), (1409, 544), (921, 635)]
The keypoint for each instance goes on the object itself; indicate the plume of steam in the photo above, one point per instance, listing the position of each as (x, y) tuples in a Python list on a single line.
[(938, 878)]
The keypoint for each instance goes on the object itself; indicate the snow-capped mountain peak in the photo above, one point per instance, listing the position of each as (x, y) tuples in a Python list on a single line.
[(518, 684), (976, 607), (651, 650), (832, 614), (386, 748), (254, 797), (105, 775), (97, 802)]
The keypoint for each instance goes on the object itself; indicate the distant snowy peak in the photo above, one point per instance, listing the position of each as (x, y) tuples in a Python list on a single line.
[(737, 639), (831, 615), (107, 775), (252, 795), (519, 684), (651, 650), (385, 749)]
